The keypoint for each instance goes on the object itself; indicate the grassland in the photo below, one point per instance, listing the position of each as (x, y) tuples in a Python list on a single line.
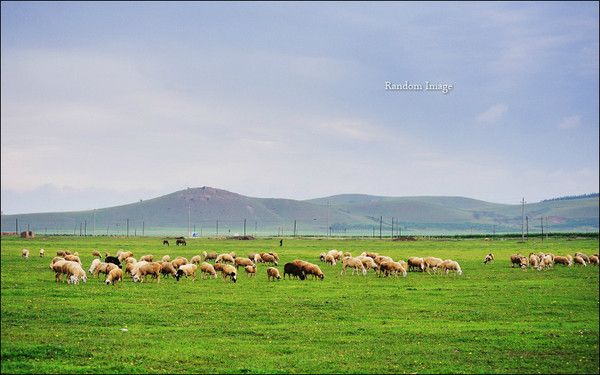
[(493, 319)]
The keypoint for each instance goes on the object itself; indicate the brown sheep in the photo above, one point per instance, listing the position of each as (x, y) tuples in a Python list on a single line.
[(140, 273), (42, 253), (166, 269), (196, 259), (273, 273), (225, 258), (314, 270), (73, 258), (488, 258), (382, 258), (322, 257), (394, 268), (251, 255), (124, 255), (133, 260), (250, 270), (583, 256), (187, 270), (96, 253), (25, 253), (208, 269), (276, 256), (450, 265), (354, 263), (229, 271), (367, 262), (113, 276), (268, 258), (179, 261), (257, 259), (104, 268), (218, 266), (432, 263), (330, 259), (579, 260), (347, 254), (515, 260), (209, 256), (146, 258), (416, 263), (563, 260), (243, 262), (594, 259), (61, 253), (166, 258)]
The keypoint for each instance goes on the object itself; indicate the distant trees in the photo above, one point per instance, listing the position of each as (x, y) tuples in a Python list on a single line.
[(570, 197)]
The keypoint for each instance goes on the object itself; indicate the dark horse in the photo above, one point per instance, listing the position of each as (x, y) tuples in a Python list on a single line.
[(165, 242), (180, 242)]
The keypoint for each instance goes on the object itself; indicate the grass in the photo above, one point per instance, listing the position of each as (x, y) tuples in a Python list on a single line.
[(493, 319)]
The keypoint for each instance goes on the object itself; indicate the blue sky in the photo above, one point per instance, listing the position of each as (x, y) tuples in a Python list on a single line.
[(107, 103)]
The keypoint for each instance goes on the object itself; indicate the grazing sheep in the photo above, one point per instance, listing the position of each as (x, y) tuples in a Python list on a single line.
[(583, 256), (432, 263), (42, 253), (275, 255), (273, 273), (104, 268), (594, 259), (74, 272), (251, 255), (370, 254), (124, 255), (209, 256), (257, 258), (354, 263), (524, 263), (208, 269), (337, 255), (218, 266), (547, 261), (186, 270), (535, 262), (313, 269), (330, 259), (367, 262), (196, 259), (60, 253), (347, 254), (563, 260), (229, 271), (268, 258), (515, 260), (147, 258), (394, 268), (130, 266), (579, 260), (179, 261), (451, 265), (145, 269), (25, 253), (73, 258), (488, 258), (166, 242), (166, 269), (250, 270), (94, 265), (322, 257), (225, 258), (113, 276), (166, 258), (56, 259), (243, 262), (133, 260), (96, 253), (382, 258), (416, 263), (293, 269)]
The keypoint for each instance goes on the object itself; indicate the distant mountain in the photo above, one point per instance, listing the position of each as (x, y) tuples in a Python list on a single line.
[(206, 208)]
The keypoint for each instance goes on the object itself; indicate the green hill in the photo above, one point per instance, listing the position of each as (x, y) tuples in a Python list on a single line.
[(206, 208)]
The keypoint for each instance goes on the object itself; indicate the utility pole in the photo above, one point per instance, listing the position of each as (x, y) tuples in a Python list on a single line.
[(294, 228), (522, 219), (392, 228), (127, 227), (542, 221), (373, 231), (80, 227), (380, 225), (244, 227), (527, 225), (17, 226), (85, 228)]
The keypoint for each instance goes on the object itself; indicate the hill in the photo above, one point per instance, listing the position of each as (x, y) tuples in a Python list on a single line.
[(209, 210)]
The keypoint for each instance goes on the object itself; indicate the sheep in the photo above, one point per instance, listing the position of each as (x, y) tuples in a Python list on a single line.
[(354, 263), (594, 259), (166, 258), (133, 260), (130, 266), (515, 260), (229, 271), (547, 261), (68, 252), (578, 259), (451, 265), (124, 255), (394, 268), (488, 258), (60, 253), (73, 258), (268, 258), (314, 270), (250, 270), (563, 260), (273, 273), (209, 256), (330, 259), (322, 257), (293, 269), (96, 253), (25, 253), (347, 254), (140, 272), (113, 276), (243, 262), (74, 272), (251, 255), (225, 258), (370, 254), (232, 254), (56, 259), (382, 258), (166, 269), (57, 267), (534, 261), (275, 255), (218, 266), (208, 269), (187, 270), (583, 256), (367, 262), (196, 259), (416, 263), (257, 258), (104, 268), (524, 263), (337, 255), (42, 253), (146, 258), (113, 260), (179, 261), (432, 263), (93, 266)]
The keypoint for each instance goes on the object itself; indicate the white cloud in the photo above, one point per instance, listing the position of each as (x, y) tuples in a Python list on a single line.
[(570, 122), (493, 114)]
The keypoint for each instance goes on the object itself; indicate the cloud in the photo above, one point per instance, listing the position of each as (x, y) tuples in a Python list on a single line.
[(570, 122), (493, 114)]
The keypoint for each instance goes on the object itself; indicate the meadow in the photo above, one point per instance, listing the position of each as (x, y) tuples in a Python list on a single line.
[(492, 319)]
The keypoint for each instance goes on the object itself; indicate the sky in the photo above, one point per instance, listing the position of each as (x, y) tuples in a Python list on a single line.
[(108, 103)]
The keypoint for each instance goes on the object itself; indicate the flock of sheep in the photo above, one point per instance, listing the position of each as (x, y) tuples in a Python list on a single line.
[(70, 265), (542, 261)]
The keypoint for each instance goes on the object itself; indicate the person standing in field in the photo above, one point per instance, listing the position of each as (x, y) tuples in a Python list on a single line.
[(280, 242)]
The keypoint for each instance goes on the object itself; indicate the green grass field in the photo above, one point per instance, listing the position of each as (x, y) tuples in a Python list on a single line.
[(492, 319)]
